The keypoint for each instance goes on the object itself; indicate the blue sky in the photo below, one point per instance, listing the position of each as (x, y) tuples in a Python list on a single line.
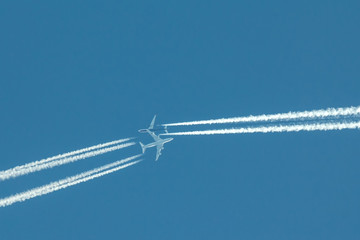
[(78, 73)]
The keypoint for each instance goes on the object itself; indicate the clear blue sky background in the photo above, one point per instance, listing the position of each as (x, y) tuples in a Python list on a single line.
[(78, 73)]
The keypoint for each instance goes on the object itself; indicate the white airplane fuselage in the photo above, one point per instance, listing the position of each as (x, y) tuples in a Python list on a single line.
[(157, 143)]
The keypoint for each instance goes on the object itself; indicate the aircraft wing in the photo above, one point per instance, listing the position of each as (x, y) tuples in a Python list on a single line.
[(158, 151)]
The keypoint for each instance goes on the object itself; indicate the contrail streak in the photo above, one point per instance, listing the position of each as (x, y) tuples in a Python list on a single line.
[(70, 153), (14, 172), (315, 114), (274, 129), (69, 181)]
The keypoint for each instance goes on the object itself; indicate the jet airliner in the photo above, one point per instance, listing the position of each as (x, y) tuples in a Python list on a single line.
[(158, 142)]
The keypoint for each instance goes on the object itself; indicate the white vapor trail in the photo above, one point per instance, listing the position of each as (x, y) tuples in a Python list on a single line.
[(15, 172), (274, 129), (315, 114), (69, 181), (71, 153)]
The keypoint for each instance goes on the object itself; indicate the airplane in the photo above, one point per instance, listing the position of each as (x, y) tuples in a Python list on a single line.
[(158, 142), (151, 127)]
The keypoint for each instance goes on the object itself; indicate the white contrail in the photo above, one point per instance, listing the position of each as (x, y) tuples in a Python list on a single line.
[(274, 129), (315, 114), (13, 172), (67, 182), (70, 154)]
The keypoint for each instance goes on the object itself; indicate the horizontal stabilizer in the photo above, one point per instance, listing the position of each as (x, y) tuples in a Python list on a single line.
[(142, 147), (152, 123)]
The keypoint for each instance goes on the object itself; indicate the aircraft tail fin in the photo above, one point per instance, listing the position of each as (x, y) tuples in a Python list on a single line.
[(142, 147)]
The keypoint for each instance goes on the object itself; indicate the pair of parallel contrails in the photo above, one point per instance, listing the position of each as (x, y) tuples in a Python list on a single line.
[(337, 119), (64, 159)]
